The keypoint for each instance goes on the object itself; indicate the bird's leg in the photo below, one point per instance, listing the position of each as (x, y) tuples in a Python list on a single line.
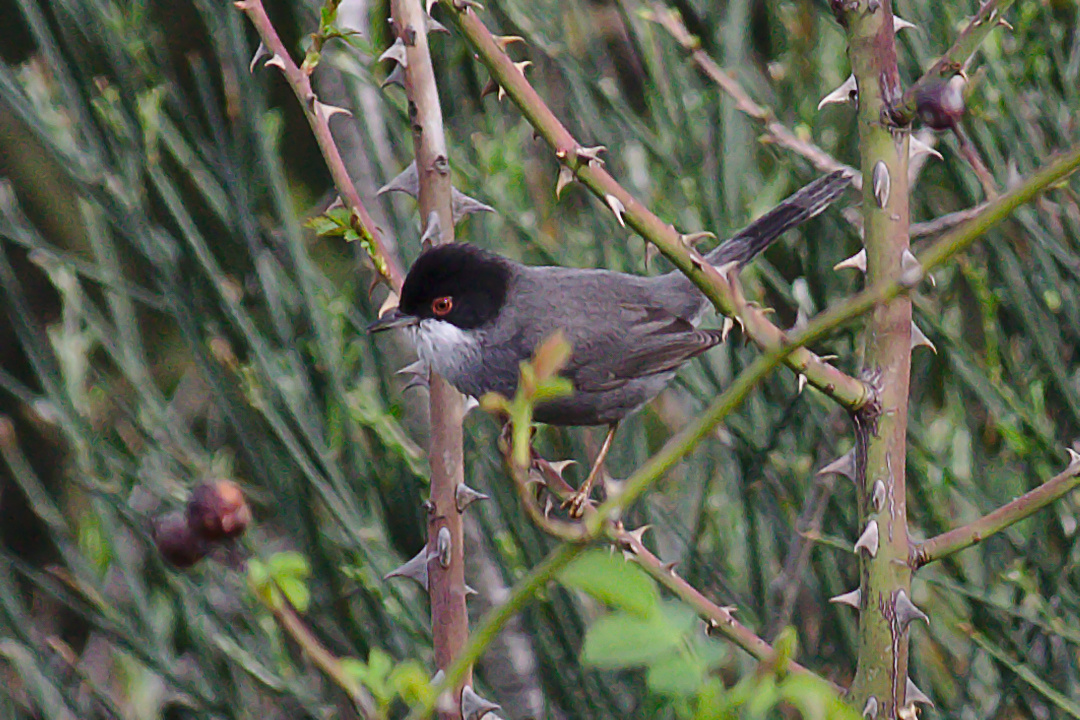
[(577, 502)]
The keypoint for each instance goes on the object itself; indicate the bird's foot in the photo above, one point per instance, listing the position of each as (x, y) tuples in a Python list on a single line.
[(576, 505)]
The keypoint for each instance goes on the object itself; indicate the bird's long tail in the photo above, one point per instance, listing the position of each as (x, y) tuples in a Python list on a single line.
[(795, 210)]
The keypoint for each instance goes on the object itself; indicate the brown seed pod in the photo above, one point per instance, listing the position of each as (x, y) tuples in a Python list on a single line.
[(218, 510), (176, 542)]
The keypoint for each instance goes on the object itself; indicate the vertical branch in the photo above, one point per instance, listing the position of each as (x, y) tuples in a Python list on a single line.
[(446, 561), (886, 610)]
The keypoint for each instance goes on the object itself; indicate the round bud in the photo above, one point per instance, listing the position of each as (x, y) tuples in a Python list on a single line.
[(176, 542), (218, 510), (940, 104)]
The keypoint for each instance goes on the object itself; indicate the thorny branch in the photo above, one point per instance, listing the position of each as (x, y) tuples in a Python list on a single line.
[(318, 115), (583, 164), (1005, 516)]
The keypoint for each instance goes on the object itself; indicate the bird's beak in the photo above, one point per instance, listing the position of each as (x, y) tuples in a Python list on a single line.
[(392, 319)]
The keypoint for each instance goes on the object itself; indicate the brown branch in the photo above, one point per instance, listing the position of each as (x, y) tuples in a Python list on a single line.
[(945, 222), (720, 620), (446, 540), (318, 115), (775, 131), (1005, 516), (844, 389), (953, 61), (323, 658)]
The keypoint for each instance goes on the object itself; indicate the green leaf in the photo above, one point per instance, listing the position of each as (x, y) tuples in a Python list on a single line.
[(613, 581), (679, 673)]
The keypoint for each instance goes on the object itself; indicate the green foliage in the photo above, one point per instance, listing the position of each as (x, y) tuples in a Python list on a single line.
[(166, 318)]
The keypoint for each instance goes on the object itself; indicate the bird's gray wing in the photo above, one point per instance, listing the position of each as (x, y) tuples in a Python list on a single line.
[(645, 341)]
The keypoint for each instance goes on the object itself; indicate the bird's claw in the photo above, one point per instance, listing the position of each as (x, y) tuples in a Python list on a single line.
[(576, 504)]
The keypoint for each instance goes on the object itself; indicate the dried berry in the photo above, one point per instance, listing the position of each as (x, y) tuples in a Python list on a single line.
[(218, 510), (940, 104), (176, 541)]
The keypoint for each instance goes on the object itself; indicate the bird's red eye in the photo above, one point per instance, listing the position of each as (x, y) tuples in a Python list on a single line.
[(441, 306)]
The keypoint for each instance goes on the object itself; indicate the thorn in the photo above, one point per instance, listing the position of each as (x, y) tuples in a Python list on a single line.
[(462, 205), (616, 207), (911, 271), (1074, 458), (505, 40), (337, 204), (878, 495), (868, 541), (329, 111), (464, 496), (443, 546), (637, 536), (433, 231), (691, 240), (857, 261), (428, 5), (489, 87), (548, 506), (276, 61), (415, 569), (727, 268), (466, 4), (802, 383), (853, 598), (522, 65), (407, 182), (434, 26), (870, 709), (471, 404), (918, 337), (396, 52), (437, 678), (669, 567), (566, 176), (260, 53), (474, 707), (560, 466), (729, 324), (906, 611), (882, 183), (396, 77), (590, 154), (389, 303), (915, 695), (899, 23), (843, 465), (847, 92), (416, 368), (917, 147), (470, 590)]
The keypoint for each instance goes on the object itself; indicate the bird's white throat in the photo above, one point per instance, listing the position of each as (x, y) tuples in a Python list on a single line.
[(445, 347)]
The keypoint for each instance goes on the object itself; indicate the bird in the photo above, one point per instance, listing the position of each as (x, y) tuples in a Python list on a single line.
[(474, 316)]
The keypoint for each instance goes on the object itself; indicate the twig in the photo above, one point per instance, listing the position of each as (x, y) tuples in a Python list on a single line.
[(720, 620), (323, 658), (776, 131), (846, 390), (318, 116), (1022, 507), (945, 222), (953, 61)]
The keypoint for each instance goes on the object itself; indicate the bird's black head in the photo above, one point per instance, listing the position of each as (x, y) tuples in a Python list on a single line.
[(458, 283)]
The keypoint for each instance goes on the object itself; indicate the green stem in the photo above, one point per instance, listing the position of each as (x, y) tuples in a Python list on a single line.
[(974, 532)]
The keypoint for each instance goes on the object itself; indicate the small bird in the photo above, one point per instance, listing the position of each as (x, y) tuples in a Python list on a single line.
[(474, 316)]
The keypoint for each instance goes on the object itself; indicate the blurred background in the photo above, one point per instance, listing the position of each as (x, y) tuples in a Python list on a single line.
[(168, 320)]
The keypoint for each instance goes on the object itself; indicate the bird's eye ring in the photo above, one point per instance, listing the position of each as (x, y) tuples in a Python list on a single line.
[(441, 306)]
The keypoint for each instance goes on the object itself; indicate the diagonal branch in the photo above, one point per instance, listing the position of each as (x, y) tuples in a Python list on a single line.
[(775, 131), (1005, 516), (846, 390), (318, 115)]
